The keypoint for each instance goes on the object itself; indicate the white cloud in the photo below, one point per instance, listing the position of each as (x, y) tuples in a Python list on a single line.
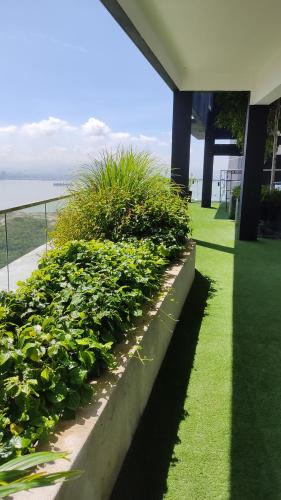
[(57, 149), (53, 144), (120, 136), (9, 129), (94, 127), (50, 126), (5, 149), (146, 138)]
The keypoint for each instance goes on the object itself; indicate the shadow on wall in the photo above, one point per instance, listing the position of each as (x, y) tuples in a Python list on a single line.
[(256, 404), (144, 472)]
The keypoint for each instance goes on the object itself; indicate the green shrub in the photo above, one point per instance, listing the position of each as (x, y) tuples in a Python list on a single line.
[(58, 331), (123, 196), (271, 197), (236, 191)]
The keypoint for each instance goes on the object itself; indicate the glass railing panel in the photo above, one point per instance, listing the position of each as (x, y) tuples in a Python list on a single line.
[(196, 188), (52, 210), (3, 255), (25, 232), (26, 229), (216, 190)]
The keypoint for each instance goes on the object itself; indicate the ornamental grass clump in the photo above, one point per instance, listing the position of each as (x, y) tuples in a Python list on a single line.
[(122, 196)]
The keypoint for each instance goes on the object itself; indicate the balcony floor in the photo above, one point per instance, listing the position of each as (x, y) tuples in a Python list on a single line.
[(212, 427)]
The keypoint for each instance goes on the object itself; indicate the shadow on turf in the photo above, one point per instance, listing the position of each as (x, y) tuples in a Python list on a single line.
[(214, 246), (256, 393), (144, 472)]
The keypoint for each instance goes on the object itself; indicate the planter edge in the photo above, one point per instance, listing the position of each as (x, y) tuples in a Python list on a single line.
[(102, 432)]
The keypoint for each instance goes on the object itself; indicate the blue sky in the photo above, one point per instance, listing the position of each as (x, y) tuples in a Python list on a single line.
[(72, 82)]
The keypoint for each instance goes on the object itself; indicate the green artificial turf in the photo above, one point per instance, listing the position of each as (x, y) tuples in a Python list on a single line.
[(212, 427), (201, 469)]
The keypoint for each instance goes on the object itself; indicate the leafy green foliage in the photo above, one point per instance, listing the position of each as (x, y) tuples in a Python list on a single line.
[(231, 113), (269, 197), (236, 192), (18, 474), (123, 196), (58, 330), (270, 204)]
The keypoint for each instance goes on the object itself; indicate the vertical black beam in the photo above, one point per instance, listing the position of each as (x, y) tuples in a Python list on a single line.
[(255, 138), (208, 162), (182, 114)]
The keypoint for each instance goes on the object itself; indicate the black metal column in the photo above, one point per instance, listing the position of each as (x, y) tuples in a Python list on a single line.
[(255, 138), (208, 162), (182, 113)]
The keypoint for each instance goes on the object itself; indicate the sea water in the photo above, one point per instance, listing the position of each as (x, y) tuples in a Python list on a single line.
[(14, 193)]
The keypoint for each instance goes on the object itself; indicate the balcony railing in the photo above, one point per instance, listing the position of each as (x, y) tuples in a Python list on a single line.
[(23, 229), (196, 188)]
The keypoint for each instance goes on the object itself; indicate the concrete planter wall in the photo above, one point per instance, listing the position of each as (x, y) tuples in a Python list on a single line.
[(101, 434)]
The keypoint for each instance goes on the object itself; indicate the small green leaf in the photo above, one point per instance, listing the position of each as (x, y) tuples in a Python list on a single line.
[(32, 460), (11, 475), (87, 358), (46, 373), (72, 401), (37, 482), (20, 442), (16, 429), (4, 357), (78, 375), (137, 312)]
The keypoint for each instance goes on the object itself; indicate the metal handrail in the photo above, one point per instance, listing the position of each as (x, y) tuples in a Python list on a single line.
[(29, 205), (22, 207)]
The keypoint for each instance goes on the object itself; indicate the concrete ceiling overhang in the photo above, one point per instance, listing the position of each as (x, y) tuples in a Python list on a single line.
[(208, 45)]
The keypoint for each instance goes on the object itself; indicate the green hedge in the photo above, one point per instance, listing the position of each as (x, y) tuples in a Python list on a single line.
[(124, 195), (59, 329), (236, 191), (270, 198)]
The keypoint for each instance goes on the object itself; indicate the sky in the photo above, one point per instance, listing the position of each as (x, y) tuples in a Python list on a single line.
[(73, 83)]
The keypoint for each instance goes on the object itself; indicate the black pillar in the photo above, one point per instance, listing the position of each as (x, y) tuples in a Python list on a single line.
[(182, 113), (255, 138), (208, 162)]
